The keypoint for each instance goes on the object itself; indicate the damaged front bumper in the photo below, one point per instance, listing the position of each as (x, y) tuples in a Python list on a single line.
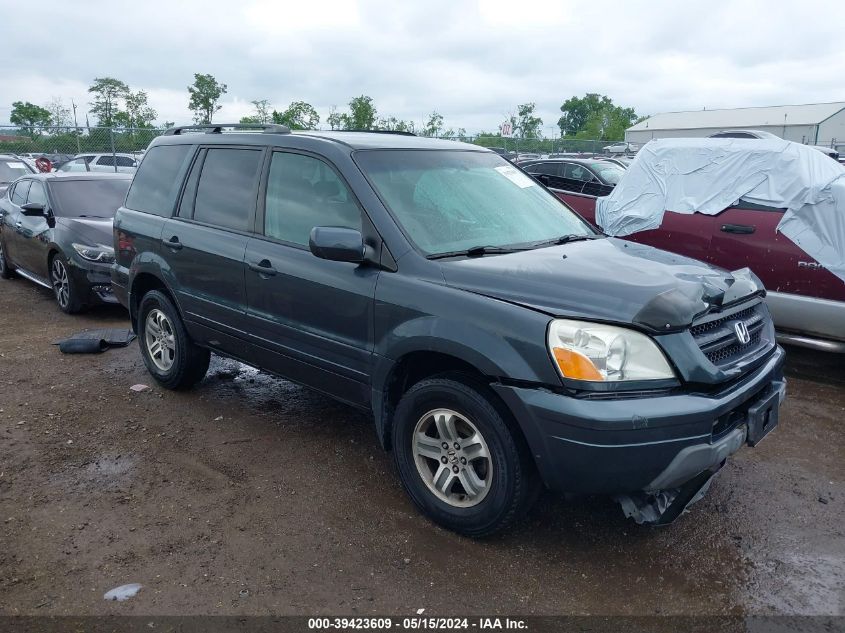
[(656, 455), (688, 477)]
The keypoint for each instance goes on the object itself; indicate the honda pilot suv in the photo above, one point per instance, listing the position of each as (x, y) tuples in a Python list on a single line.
[(498, 341)]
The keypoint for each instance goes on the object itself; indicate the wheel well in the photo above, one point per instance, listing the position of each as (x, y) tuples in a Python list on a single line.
[(141, 285), (417, 366)]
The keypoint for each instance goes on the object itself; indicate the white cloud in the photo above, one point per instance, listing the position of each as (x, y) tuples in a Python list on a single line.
[(471, 61)]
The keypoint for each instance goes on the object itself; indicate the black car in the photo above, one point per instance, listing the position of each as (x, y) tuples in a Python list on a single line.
[(12, 168), (56, 230), (497, 340), (590, 177)]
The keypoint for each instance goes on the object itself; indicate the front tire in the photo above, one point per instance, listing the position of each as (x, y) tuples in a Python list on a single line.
[(65, 289), (168, 352), (459, 460)]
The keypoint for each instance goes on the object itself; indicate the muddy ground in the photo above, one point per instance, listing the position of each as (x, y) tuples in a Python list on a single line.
[(250, 495)]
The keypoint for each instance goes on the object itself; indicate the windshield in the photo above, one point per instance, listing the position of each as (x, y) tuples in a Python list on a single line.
[(12, 170), (608, 172), (455, 200), (88, 198)]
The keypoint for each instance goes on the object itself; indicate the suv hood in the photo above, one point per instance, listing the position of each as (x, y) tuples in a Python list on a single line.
[(90, 231), (605, 279)]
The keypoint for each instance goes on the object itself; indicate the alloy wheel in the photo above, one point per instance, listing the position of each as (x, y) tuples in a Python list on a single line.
[(452, 458), (61, 284), (160, 339)]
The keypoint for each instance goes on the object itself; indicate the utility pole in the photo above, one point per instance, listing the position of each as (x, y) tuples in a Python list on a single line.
[(76, 127)]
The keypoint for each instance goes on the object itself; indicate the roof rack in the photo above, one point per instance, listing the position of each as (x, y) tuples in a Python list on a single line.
[(397, 132), (217, 128)]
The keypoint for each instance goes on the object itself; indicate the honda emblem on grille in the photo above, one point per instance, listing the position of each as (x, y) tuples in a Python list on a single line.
[(742, 334)]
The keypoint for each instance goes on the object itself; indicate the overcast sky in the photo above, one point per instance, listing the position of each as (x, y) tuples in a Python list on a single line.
[(473, 61)]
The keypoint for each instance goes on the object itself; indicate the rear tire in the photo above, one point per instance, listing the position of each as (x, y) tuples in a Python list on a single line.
[(459, 460), (6, 270), (170, 355)]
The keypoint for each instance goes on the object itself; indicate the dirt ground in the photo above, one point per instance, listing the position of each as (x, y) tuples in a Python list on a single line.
[(249, 495)]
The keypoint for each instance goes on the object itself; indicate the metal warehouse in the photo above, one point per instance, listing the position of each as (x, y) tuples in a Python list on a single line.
[(812, 123)]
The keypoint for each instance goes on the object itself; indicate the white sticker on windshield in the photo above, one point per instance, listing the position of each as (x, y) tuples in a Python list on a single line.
[(13, 165), (515, 176)]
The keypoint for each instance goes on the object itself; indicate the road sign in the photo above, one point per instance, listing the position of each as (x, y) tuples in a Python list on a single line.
[(506, 129)]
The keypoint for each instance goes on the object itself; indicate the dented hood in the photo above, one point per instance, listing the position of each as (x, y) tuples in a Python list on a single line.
[(605, 279)]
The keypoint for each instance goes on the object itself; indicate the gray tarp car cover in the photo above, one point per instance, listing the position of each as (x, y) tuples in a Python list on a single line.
[(708, 175)]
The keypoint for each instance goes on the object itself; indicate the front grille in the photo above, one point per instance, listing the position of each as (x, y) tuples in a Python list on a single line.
[(716, 335)]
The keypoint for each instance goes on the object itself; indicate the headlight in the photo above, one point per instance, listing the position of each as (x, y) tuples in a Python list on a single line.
[(100, 253), (596, 352)]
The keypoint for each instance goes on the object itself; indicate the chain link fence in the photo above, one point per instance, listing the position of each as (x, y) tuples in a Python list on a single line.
[(61, 144)]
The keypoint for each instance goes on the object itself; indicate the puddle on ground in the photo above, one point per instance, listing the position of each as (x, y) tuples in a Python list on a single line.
[(111, 465)]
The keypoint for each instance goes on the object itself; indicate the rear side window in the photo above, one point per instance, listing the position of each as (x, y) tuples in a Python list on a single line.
[(227, 188), (158, 179), (304, 192)]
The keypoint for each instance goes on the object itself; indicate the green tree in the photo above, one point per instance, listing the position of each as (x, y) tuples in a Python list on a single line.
[(205, 93), (30, 117), (298, 116), (335, 119), (262, 113), (434, 125), (525, 124), (138, 111), (396, 125), (362, 114), (107, 92), (594, 116), (59, 114)]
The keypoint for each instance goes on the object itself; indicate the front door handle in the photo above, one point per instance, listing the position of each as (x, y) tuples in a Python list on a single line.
[(264, 267), (741, 229), (173, 243)]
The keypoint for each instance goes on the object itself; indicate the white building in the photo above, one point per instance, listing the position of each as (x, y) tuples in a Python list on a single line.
[(812, 123)]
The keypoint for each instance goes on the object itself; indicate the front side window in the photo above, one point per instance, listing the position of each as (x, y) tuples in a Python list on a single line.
[(226, 191), (37, 194), (158, 179), (577, 172), (449, 200), (124, 161), (304, 192)]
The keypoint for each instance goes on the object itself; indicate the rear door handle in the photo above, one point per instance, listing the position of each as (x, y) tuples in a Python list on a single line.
[(173, 243), (264, 267), (742, 229)]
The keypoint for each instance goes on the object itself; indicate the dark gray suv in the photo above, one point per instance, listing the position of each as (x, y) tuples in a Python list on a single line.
[(498, 341)]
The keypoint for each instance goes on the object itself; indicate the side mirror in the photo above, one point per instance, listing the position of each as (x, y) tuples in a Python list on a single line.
[(33, 209), (337, 244)]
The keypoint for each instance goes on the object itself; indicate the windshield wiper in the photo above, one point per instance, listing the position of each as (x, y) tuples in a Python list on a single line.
[(479, 251), (566, 239)]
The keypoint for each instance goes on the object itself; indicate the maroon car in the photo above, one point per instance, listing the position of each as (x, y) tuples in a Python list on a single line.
[(806, 300)]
